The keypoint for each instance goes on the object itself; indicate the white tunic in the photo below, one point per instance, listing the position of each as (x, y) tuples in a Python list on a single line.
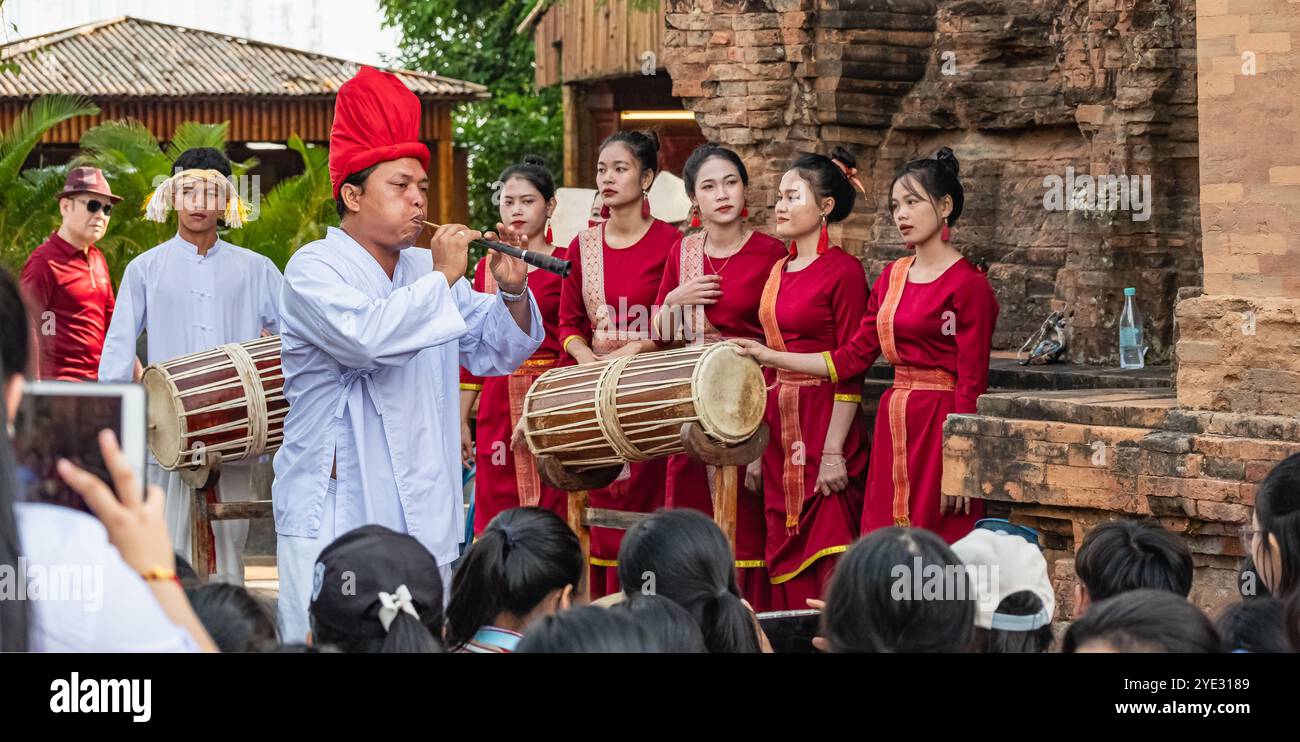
[(372, 373), (189, 302), (83, 596)]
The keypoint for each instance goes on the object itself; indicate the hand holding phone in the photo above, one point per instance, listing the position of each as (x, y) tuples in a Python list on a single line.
[(135, 523)]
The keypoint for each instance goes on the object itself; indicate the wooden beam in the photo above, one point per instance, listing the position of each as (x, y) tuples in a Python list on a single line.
[(572, 139), (445, 161)]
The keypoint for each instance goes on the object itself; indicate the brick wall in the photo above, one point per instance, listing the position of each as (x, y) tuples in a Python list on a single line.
[(1103, 87)]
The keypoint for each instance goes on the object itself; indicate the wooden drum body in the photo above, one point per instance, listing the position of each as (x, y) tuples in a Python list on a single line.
[(604, 414), (228, 401)]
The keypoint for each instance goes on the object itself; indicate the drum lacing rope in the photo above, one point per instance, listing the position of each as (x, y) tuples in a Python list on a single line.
[(252, 381), (607, 412)]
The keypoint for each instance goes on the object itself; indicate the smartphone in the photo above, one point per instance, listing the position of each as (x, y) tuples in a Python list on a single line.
[(791, 632), (61, 420)]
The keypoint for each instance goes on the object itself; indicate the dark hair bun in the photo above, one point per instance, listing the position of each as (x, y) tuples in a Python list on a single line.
[(653, 136), (843, 156), (946, 158), (534, 160)]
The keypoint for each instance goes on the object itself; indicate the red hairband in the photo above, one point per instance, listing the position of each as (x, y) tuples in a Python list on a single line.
[(852, 174)]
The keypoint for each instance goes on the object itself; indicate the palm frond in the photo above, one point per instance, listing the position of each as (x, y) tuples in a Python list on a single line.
[(46, 112)]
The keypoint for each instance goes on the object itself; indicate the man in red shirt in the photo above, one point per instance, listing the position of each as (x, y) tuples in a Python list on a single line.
[(65, 282)]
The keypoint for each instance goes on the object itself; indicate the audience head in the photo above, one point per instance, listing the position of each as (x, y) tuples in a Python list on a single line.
[(377, 591), (1143, 620), (526, 563), (1015, 601), (1124, 555), (899, 590), (684, 556)]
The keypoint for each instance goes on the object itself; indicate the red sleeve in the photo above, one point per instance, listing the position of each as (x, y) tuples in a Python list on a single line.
[(670, 280), (573, 311), (36, 286), (977, 312), (470, 382), (863, 348), (849, 302)]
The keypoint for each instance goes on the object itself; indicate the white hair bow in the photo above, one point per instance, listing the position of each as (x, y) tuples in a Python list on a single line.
[(393, 603)]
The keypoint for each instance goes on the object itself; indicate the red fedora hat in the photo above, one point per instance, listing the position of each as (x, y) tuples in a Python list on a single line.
[(87, 180)]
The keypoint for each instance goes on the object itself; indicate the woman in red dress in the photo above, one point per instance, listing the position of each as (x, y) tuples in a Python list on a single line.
[(931, 315), (605, 311), (711, 288), (506, 476), (814, 471)]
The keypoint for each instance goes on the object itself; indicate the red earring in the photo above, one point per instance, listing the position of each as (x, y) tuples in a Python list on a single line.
[(945, 235), (824, 239), (549, 238), (695, 217), (645, 204), (604, 212), (794, 248), (744, 213)]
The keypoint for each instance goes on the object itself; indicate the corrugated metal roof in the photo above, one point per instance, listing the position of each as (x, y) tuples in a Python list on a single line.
[(135, 58)]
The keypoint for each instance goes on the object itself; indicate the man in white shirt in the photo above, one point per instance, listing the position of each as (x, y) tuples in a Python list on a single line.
[(374, 333), (192, 293)]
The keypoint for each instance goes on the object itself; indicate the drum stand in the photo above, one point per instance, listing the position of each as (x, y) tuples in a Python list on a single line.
[(206, 506), (727, 459)]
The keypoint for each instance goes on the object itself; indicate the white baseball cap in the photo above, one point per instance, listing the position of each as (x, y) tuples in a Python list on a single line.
[(1000, 564)]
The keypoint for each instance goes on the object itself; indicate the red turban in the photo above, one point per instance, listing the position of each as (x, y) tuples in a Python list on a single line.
[(376, 119)]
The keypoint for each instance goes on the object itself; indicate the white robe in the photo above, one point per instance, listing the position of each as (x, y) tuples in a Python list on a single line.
[(189, 303), (372, 376)]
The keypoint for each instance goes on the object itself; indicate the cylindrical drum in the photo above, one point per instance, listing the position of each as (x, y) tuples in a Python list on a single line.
[(227, 400), (632, 409)]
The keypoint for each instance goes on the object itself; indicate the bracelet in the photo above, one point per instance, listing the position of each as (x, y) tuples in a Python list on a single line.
[(523, 292), (158, 574)]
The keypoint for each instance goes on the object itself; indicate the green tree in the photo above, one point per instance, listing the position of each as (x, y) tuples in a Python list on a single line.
[(296, 211), (28, 213), (477, 42)]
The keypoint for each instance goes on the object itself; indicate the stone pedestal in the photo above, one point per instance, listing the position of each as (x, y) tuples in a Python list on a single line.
[(1192, 459)]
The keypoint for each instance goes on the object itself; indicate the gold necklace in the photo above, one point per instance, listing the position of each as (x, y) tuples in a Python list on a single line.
[(707, 257)]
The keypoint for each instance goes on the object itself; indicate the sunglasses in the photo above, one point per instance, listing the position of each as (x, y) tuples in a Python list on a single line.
[(93, 206)]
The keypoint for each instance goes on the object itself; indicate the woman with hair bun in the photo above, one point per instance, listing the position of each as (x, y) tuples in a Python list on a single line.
[(605, 308), (815, 467), (506, 476), (931, 315)]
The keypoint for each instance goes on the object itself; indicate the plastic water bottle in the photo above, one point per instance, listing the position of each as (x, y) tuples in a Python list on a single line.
[(1132, 347)]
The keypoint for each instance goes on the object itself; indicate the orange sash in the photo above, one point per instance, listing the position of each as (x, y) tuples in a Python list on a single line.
[(788, 385), (906, 379), (695, 327), (527, 480), (605, 337)]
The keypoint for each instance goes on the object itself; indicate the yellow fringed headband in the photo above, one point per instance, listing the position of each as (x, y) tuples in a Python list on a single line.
[(156, 205)]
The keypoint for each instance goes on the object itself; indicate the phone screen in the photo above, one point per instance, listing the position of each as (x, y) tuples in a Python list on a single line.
[(791, 632), (49, 427)]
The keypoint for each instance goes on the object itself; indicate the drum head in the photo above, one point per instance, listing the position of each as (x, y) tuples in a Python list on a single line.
[(164, 418), (730, 393)]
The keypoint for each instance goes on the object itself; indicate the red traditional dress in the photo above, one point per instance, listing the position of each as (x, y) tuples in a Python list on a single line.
[(937, 337), (813, 310), (734, 315), (607, 301), (505, 478)]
